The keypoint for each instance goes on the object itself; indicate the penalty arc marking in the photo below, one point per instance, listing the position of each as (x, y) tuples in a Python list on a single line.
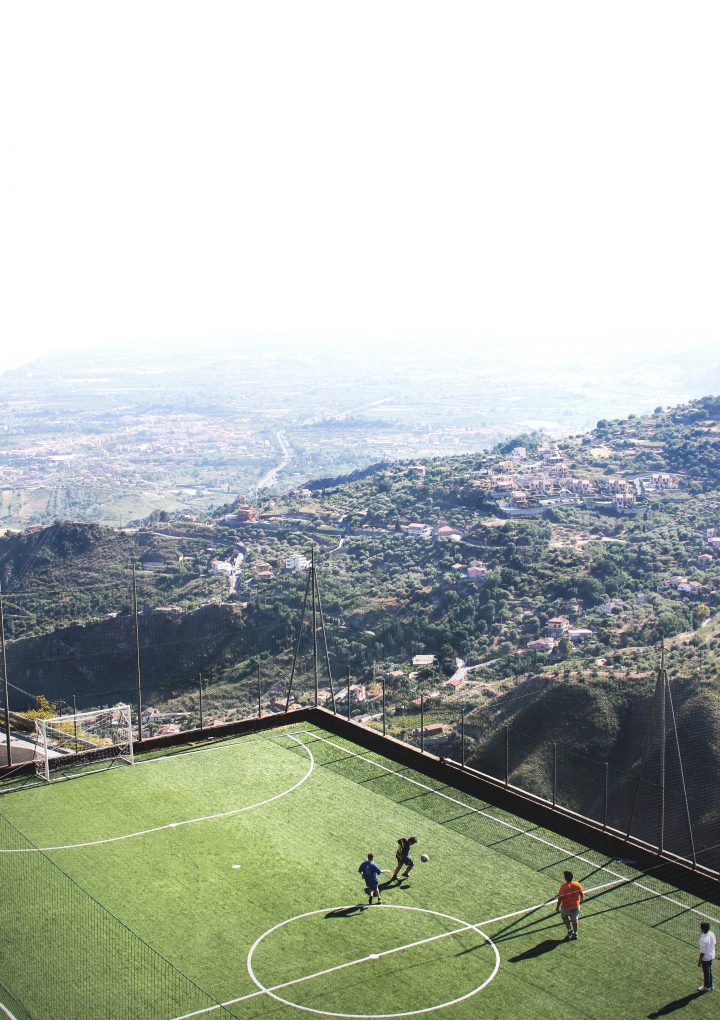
[(175, 825)]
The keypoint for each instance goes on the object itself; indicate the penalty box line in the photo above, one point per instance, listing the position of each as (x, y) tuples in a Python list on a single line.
[(185, 821), (477, 926), (516, 828)]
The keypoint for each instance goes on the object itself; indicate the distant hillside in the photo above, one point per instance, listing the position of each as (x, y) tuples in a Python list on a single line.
[(601, 721), (96, 664), (618, 541)]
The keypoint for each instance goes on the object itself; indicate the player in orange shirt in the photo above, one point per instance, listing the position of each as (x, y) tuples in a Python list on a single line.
[(570, 896)]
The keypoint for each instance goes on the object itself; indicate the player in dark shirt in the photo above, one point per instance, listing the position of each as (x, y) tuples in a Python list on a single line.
[(371, 872), (403, 856)]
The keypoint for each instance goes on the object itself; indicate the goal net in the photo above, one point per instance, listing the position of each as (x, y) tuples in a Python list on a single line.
[(84, 738)]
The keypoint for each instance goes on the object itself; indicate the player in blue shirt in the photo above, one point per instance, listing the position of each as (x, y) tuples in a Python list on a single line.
[(370, 872)]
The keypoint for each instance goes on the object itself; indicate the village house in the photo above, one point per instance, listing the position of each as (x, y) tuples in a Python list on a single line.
[(416, 530), (434, 730), (423, 661), (611, 607), (544, 644), (557, 626), (673, 582), (358, 693), (624, 500), (579, 634), (240, 515), (477, 570), (663, 481), (297, 562), (221, 567)]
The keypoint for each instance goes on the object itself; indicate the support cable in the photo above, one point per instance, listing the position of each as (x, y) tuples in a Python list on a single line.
[(297, 645), (682, 778)]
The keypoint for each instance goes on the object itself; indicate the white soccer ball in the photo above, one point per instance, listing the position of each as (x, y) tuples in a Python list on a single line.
[(424, 858)]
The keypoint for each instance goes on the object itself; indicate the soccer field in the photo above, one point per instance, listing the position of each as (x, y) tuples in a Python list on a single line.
[(221, 880)]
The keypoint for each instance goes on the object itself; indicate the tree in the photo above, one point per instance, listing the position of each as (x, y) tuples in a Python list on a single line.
[(44, 710), (702, 612), (564, 647)]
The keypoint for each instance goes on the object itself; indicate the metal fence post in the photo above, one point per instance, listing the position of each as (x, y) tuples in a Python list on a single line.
[(6, 698), (507, 755), (200, 689), (383, 702), (348, 691), (422, 722), (462, 737), (554, 775), (138, 675), (259, 693), (605, 797)]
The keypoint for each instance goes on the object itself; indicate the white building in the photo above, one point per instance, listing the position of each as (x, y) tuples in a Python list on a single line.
[(297, 562)]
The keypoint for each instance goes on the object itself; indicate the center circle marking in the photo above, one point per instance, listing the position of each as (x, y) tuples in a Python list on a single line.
[(372, 1016)]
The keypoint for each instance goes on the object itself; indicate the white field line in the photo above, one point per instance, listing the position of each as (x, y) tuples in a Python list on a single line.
[(388, 952), (173, 825), (516, 828), (6, 1011)]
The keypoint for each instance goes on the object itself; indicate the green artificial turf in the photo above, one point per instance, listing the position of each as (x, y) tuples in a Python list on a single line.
[(161, 924)]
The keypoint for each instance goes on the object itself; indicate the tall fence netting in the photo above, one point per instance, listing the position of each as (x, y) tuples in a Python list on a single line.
[(63, 954)]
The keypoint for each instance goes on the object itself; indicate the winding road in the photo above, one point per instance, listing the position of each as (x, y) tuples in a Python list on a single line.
[(270, 477)]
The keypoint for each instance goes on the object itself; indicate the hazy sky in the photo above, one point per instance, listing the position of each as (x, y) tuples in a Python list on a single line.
[(536, 169)]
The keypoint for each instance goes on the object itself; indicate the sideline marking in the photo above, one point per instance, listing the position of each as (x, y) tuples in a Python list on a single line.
[(6, 1011), (517, 828), (373, 956), (174, 825)]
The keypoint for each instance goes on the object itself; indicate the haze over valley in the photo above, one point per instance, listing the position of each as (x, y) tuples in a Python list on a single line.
[(113, 435)]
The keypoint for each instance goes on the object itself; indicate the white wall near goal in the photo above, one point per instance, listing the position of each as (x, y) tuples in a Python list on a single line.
[(84, 738)]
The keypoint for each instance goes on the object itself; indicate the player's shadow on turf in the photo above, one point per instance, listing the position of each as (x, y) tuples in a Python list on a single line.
[(670, 1007), (395, 884), (356, 908), (546, 946)]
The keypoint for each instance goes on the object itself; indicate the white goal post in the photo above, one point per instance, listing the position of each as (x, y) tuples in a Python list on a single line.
[(83, 738)]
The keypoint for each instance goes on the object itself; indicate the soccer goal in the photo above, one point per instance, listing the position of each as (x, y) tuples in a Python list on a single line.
[(83, 739)]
